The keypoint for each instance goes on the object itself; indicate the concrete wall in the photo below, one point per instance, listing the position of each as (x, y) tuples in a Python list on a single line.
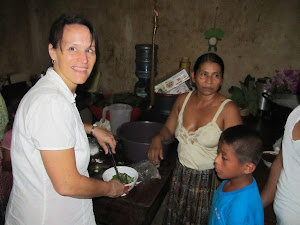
[(261, 36)]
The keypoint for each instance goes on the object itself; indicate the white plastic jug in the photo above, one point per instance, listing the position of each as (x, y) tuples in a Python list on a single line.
[(119, 114)]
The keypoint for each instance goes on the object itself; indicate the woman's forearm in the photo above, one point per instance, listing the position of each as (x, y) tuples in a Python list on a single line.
[(67, 181), (269, 190), (164, 134), (85, 187)]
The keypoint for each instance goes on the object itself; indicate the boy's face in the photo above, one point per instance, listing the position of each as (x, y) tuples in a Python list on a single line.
[(227, 164)]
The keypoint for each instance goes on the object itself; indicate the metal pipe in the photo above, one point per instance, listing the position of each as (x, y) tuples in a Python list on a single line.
[(152, 97)]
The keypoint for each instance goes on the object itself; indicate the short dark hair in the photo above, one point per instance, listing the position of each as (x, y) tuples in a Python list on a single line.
[(209, 57), (57, 29), (246, 143)]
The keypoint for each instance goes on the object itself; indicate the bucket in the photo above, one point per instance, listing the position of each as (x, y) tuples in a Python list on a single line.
[(119, 114)]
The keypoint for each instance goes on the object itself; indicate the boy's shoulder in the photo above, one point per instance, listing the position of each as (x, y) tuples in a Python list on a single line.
[(243, 198), (246, 205), (240, 205)]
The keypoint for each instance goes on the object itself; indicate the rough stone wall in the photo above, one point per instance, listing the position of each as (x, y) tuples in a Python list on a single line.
[(261, 36)]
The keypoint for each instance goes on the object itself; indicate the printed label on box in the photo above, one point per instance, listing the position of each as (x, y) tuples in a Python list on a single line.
[(172, 82), (182, 88)]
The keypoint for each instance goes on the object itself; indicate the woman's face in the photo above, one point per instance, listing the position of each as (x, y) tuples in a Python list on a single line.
[(75, 56), (208, 78)]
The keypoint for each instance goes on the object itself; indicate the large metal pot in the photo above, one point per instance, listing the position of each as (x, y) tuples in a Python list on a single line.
[(136, 139)]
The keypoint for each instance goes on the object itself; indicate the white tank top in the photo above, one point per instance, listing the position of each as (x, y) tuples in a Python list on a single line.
[(198, 149)]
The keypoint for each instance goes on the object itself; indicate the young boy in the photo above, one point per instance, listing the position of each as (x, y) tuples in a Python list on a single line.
[(237, 200)]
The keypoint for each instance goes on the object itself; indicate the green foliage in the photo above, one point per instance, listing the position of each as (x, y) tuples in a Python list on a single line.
[(246, 95), (214, 32)]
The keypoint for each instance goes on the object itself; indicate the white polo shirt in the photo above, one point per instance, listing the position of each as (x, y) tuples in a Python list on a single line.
[(47, 119)]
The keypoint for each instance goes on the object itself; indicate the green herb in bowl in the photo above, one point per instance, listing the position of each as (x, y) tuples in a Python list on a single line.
[(124, 178)]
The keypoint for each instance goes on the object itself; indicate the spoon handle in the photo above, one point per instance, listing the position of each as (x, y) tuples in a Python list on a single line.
[(113, 160)]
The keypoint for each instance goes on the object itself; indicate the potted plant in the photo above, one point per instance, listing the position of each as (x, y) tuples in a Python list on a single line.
[(284, 90), (245, 96), (285, 82)]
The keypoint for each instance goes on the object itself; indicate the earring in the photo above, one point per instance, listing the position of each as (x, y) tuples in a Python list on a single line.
[(53, 61)]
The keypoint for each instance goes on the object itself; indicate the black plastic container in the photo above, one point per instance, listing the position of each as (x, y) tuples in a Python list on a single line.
[(136, 139), (164, 103)]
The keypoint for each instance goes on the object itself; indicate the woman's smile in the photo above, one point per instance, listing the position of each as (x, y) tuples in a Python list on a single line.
[(79, 68)]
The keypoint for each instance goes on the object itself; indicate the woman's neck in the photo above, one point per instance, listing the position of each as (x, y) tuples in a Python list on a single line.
[(205, 99)]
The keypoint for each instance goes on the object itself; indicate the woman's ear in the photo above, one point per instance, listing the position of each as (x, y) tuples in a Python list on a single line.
[(248, 167), (193, 77), (51, 51)]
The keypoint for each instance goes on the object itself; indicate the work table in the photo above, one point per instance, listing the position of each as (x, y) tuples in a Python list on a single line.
[(143, 201), (140, 205)]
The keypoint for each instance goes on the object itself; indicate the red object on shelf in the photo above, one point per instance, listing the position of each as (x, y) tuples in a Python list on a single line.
[(97, 112)]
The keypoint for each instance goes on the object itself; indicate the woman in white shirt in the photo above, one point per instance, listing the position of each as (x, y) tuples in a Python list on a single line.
[(50, 150), (284, 180)]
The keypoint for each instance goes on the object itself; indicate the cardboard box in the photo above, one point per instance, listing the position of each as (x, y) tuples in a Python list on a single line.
[(182, 88), (172, 82)]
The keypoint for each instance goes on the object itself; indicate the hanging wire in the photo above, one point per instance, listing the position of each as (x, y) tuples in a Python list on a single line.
[(152, 95)]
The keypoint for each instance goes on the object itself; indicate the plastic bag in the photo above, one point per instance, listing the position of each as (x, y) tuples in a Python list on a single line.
[(277, 145), (104, 124), (146, 171)]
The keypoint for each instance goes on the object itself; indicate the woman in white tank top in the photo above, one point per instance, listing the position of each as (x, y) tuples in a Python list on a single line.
[(197, 120)]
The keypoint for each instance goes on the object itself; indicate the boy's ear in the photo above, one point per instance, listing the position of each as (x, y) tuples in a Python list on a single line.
[(249, 168)]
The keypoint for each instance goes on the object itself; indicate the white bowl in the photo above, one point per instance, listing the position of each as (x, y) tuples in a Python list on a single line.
[(109, 173), (268, 157)]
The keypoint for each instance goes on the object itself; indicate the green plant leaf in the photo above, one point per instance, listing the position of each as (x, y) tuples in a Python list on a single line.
[(246, 95), (237, 96), (252, 106), (248, 79)]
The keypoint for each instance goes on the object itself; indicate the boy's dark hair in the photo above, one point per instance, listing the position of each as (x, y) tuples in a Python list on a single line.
[(246, 143)]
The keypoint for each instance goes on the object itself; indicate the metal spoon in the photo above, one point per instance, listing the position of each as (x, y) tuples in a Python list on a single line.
[(113, 161)]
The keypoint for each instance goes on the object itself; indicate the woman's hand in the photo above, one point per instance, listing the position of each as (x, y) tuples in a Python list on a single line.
[(155, 152), (104, 136), (116, 189)]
